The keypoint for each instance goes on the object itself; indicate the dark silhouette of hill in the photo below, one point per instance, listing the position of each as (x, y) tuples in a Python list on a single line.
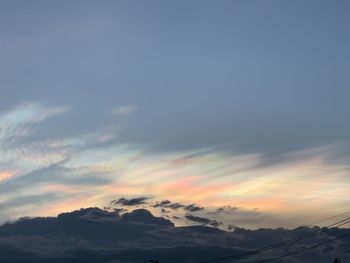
[(96, 235)]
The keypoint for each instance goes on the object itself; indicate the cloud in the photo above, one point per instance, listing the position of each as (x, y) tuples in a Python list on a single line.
[(169, 204), (175, 206), (255, 123), (6, 174), (227, 209), (90, 234), (20, 121), (18, 150), (230, 116), (130, 202), (225, 216), (124, 110), (164, 211), (162, 203), (54, 174), (26, 200), (93, 166), (145, 217), (203, 220), (193, 208)]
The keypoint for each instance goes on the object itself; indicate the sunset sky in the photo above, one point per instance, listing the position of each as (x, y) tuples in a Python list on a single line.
[(240, 104)]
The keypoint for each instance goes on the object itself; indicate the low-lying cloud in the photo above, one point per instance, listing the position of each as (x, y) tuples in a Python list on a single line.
[(91, 234)]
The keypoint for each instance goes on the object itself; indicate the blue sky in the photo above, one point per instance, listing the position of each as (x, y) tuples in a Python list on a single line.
[(172, 79)]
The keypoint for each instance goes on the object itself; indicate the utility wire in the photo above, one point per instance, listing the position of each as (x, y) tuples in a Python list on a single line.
[(305, 249), (281, 233), (272, 246), (279, 244), (328, 218)]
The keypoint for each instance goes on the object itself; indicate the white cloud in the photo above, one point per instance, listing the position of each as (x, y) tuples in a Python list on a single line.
[(124, 110), (20, 121), (17, 153)]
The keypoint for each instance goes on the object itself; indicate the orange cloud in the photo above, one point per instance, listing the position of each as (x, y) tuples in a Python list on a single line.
[(6, 174)]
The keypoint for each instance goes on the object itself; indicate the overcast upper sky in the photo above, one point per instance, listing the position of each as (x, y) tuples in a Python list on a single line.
[(241, 103)]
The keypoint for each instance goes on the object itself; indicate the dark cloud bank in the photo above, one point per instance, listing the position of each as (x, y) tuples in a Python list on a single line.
[(97, 235)]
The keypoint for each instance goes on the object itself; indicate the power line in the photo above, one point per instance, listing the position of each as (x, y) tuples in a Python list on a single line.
[(272, 246), (279, 244), (338, 224), (305, 249), (280, 234), (328, 218)]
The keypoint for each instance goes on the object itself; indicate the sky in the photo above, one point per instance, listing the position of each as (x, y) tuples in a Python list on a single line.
[(241, 104)]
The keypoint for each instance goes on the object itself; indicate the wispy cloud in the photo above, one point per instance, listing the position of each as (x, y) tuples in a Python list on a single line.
[(124, 110), (21, 121), (19, 153)]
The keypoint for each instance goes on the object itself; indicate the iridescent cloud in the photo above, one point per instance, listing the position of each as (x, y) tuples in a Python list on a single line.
[(93, 168)]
